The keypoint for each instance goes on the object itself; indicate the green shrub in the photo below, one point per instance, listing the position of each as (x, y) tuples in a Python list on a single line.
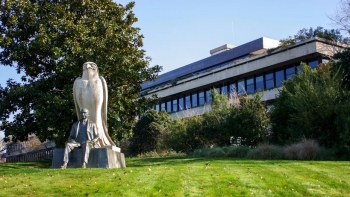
[(216, 152), (163, 153), (172, 153), (150, 132), (327, 154), (226, 151), (209, 152), (236, 151), (266, 151), (148, 154)]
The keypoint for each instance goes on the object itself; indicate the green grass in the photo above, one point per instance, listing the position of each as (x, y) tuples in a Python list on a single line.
[(184, 176)]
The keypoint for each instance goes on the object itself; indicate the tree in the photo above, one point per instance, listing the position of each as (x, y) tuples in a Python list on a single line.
[(312, 105), (331, 35), (213, 122), (187, 134), (49, 41), (150, 132), (341, 18), (342, 66), (248, 120)]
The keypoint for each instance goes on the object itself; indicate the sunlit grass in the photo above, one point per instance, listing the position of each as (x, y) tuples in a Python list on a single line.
[(180, 177)]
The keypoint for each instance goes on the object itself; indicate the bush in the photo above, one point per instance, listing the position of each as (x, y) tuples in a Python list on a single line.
[(172, 153), (163, 153), (304, 150), (236, 151), (150, 132), (266, 151), (203, 152), (148, 154), (226, 151), (216, 152), (209, 152)]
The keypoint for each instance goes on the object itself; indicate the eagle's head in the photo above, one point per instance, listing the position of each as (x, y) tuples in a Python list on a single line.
[(91, 65), (90, 70)]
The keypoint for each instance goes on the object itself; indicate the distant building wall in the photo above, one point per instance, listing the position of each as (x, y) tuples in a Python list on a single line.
[(251, 68)]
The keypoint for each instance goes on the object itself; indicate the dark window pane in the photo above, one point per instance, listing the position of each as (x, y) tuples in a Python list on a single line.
[(241, 87), (217, 90), (299, 69), (259, 82), (168, 106), (290, 72), (279, 78), (269, 81), (250, 85), (181, 103), (188, 101), (201, 98), (208, 96), (194, 100), (224, 90), (175, 105), (162, 106), (313, 64)]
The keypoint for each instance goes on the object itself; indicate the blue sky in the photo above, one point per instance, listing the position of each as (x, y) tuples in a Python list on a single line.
[(179, 32)]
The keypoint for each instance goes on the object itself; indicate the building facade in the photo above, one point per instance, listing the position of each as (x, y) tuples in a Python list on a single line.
[(259, 65)]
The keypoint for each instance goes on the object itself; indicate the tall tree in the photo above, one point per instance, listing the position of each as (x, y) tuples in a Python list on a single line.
[(312, 105), (49, 41), (341, 17)]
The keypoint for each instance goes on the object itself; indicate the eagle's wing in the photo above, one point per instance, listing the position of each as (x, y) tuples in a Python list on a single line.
[(104, 110), (75, 86)]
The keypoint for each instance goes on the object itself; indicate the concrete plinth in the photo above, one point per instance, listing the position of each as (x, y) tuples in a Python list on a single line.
[(99, 158)]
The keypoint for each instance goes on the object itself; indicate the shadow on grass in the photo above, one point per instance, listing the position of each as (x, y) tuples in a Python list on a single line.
[(25, 165)]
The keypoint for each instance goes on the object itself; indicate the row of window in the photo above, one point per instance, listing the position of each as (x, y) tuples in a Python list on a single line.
[(262, 81)]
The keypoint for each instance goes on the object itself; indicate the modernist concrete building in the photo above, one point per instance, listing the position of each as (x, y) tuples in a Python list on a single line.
[(255, 66)]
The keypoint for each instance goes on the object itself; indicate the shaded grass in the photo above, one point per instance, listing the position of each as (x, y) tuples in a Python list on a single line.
[(180, 176)]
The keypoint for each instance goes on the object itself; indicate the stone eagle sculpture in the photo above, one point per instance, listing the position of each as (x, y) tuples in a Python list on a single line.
[(90, 92)]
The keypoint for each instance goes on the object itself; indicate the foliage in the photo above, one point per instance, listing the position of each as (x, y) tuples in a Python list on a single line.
[(226, 151), (245, 118), (213, 122), (236, 151), (333, 35), (266, 151), (342, 65), (150, 132), (166, 153), (312, 105), (187, 134), (249, 120), (48, 41)]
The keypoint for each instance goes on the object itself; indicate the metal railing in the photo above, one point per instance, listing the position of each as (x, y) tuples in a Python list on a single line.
[(39, 155)]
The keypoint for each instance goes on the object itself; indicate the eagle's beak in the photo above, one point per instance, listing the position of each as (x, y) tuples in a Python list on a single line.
[(88, 66)]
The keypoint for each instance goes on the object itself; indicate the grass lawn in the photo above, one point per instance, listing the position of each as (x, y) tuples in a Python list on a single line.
[(183, 176)]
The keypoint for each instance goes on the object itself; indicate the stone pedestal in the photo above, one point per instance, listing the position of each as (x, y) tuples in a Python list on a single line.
[(104, 157)]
